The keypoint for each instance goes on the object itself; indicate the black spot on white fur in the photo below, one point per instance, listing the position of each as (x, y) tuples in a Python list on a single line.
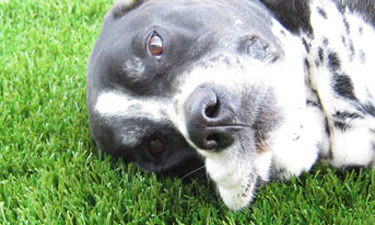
[(347, 26), (343, 86), (342, 119), (321, 54), (362, 56), (367, 109), (307, 47), (360, 30), (307, 66), (348, 43), (340, 125), (329, 154), (346, 115), (334, 62), (322, 12)]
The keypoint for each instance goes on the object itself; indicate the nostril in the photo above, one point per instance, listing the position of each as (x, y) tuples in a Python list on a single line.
[(218, 140), (213, 137), (212, 141), (212, 110)]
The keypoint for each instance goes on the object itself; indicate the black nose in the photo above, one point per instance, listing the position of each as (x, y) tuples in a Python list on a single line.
[(210, 117)]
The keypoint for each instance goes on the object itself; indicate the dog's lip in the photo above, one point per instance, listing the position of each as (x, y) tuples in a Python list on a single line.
[(239, 126)]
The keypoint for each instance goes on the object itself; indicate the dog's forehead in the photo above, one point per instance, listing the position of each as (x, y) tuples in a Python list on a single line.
[(201, 15)]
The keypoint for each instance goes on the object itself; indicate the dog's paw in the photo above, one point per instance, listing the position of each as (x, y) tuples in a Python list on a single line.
[(297, 146)]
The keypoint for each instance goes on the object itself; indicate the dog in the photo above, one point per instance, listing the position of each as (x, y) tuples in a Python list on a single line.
[(255, 90)]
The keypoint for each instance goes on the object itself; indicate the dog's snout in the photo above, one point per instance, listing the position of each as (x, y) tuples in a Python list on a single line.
[(210, 119)]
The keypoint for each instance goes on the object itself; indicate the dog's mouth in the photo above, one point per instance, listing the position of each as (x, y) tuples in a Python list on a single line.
[(237, 171), (233, 137)]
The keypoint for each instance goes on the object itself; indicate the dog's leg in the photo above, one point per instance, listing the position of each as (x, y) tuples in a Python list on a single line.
[(298, 144)]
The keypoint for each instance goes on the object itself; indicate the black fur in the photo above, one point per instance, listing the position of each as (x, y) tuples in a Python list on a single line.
[(364, 8), (321, 55), (322, 13), (294, 15), (333, 61), (367, 109), (343, 86)]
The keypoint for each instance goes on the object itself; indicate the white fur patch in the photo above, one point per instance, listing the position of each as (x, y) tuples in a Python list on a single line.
[(116, 104), (134, 68), (353, 147), (234, 175)]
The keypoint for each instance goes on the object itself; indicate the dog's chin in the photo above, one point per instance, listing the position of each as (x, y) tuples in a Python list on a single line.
[(237, 171), (238, 196)]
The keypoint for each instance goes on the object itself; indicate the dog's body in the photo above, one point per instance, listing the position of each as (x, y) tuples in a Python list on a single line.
[(260, 89)]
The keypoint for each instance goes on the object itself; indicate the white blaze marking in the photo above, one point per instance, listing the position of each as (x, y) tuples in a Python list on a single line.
[(116, 104)]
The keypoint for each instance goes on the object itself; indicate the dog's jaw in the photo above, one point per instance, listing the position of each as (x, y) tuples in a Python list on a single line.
[(235, 176)]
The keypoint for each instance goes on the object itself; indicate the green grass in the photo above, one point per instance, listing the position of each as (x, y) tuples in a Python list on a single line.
[(50, 174)]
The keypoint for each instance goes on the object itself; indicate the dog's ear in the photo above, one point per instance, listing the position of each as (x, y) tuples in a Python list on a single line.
[(121, 7)]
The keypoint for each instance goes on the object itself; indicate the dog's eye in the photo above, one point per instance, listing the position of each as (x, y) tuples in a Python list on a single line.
[(156, 146), (155, 45)]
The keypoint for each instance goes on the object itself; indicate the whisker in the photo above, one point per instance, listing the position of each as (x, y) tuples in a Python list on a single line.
[(193, 171)]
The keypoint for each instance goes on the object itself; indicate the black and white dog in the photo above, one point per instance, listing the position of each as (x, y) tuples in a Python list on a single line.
[(257, 89)]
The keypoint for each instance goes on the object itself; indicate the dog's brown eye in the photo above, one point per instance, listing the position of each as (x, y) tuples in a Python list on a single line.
[(155, 45), (156, 146)]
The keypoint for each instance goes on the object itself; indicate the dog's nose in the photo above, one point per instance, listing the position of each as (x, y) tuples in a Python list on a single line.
[(210, 119)]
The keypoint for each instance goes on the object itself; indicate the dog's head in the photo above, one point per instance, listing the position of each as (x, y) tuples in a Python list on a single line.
[(169, 79)]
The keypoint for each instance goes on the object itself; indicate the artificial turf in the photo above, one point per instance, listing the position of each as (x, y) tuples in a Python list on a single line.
[(50, 172)]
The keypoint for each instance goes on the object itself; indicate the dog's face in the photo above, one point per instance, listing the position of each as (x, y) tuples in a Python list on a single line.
[(170, 80)]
